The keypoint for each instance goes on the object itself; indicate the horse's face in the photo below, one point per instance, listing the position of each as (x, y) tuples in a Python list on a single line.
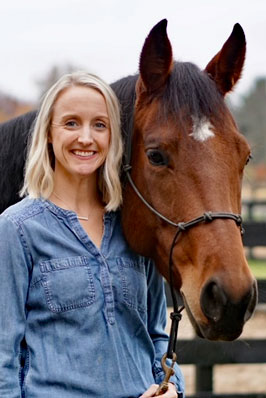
[(188, 158)]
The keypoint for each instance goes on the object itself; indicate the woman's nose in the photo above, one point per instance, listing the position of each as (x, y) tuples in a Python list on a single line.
[(85, 135)]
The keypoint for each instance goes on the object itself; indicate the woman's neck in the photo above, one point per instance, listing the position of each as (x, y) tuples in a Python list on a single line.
[(79, 195)]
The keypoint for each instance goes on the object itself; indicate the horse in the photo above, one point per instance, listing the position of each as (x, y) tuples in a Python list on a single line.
[(182, 178)]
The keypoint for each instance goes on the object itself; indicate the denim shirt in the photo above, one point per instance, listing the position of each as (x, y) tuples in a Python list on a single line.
[(76, 321)]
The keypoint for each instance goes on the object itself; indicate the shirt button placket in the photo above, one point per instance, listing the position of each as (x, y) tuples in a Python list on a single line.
[(107, 291)]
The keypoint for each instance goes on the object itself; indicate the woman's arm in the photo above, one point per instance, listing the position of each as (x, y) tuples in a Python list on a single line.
[(14, 281), (156, 326)]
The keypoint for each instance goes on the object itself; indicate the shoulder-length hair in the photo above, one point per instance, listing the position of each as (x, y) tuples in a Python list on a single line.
[(39, 173)]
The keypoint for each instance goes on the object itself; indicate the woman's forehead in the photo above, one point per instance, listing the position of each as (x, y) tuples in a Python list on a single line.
[(79, 99)]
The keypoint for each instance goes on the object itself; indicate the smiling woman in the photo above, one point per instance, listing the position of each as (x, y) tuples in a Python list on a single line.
[(65, 124), (79, 134), (82, 315)]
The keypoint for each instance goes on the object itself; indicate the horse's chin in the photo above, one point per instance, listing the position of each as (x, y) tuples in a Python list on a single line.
[(211, 330)]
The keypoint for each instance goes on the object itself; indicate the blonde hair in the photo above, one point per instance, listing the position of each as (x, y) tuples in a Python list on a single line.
[(39, 173)]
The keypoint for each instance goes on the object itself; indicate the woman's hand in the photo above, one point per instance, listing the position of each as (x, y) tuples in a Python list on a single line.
[(170, 393)]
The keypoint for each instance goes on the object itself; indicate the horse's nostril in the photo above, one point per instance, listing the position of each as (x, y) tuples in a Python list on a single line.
[(252, 303), (217, 306), (213, 301)]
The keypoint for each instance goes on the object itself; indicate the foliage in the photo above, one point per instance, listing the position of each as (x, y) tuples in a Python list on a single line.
[(251, 119), (258, 268)]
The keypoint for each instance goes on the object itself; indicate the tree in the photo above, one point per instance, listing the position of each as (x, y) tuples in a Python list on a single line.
[(52, 76), (251, 119)]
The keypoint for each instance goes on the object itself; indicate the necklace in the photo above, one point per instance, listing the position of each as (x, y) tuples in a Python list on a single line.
[(79, 217)]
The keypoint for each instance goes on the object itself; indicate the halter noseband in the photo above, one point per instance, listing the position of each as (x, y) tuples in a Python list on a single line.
[(181, 227)]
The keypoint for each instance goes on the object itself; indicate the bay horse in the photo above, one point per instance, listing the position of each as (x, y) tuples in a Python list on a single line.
[(186, 159)]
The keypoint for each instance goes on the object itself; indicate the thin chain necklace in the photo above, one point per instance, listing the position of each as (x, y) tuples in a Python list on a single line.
[(79, 217)]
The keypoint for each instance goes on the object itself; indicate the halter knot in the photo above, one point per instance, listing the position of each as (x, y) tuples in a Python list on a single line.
[(181, 226), (176, 316), (239, 220), (208, 216), (127, 168)]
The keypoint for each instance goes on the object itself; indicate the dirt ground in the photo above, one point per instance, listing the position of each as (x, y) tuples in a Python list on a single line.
[(239, 379)]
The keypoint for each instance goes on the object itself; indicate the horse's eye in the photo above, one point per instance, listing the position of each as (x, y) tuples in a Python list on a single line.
[(157, 157)]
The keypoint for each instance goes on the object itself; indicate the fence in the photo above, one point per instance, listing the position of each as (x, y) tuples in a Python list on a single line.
[(206, 354), (254, 225)]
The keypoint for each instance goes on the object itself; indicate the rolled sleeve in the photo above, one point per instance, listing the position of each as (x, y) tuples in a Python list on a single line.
[(14, 281)]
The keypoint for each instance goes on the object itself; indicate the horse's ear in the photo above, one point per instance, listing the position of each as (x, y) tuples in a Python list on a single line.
[(226, 67), (155, 59)]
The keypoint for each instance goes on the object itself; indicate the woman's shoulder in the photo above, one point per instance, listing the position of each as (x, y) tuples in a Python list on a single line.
[(23, 209)]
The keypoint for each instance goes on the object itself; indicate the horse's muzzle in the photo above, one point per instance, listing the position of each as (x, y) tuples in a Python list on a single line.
[(226, 317)]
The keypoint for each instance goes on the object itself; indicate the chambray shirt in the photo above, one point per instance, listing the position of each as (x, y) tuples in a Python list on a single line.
[(76, 321)]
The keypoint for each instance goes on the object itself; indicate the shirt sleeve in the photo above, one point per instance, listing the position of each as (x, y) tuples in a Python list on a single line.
[(157, 311), (14, 281)]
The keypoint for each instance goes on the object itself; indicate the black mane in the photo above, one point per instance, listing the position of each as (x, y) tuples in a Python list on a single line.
[(191, 89), (125, 91), (13, 145)]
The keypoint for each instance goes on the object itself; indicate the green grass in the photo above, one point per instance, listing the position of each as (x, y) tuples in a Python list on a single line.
[(258, 268)]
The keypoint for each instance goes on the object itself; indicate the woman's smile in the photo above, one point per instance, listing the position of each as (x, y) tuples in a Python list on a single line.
[(83, 154)]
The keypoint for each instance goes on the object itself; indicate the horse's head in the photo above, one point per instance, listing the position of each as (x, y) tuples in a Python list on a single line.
[(188, 158)]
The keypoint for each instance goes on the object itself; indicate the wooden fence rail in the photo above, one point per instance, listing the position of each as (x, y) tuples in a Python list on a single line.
[(255, 233), (254, 224)]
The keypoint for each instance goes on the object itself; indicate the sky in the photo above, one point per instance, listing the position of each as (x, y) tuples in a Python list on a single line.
[(106, 36)]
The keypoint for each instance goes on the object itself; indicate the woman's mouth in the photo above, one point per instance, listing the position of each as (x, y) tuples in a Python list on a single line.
[(83, 154)]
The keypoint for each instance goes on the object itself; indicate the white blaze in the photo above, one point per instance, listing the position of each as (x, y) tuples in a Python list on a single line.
[(202, 130)]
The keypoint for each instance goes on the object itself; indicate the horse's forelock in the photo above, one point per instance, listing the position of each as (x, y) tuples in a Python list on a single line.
[(191, 91)]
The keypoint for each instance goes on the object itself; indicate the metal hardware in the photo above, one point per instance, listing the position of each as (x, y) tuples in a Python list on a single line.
[(169, 371)]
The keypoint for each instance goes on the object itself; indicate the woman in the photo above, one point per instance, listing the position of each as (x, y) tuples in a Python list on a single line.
[(81, 314)]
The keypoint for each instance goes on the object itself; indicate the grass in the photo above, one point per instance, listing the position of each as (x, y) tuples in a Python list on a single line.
[(258, 268)]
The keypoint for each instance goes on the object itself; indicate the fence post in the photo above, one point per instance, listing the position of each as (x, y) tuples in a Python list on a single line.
[(204, 379)]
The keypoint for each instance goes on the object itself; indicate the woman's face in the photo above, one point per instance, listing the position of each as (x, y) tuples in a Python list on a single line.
[(80, 131)]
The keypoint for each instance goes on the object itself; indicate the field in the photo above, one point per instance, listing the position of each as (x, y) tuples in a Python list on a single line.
[(258, 268)]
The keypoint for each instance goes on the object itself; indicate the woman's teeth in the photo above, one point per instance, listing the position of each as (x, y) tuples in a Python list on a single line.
[(84, 153)]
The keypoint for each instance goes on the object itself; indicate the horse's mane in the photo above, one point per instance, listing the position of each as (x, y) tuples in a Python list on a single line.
[(191, 89), (13, 144), (125, 91), (188, 89)]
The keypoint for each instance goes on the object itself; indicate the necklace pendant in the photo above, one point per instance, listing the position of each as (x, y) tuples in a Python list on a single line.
[(83, 218)]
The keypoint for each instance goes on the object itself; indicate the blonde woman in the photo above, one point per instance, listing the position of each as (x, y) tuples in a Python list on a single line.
[(69, 324)]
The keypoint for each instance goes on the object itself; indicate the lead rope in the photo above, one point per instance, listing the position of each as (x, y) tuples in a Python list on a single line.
[(175, 317), (176, 314)]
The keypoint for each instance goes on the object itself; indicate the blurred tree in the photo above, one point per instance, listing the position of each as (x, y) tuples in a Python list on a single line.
[(251, 119), (52, 76), (11, 107)]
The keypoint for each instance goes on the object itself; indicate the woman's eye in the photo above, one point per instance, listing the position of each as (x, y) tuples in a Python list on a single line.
[(100, 125), (157, 157), (71, 123)]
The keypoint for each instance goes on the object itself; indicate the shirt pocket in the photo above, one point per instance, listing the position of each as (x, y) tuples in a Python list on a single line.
[(132, 274), (68, 283)]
